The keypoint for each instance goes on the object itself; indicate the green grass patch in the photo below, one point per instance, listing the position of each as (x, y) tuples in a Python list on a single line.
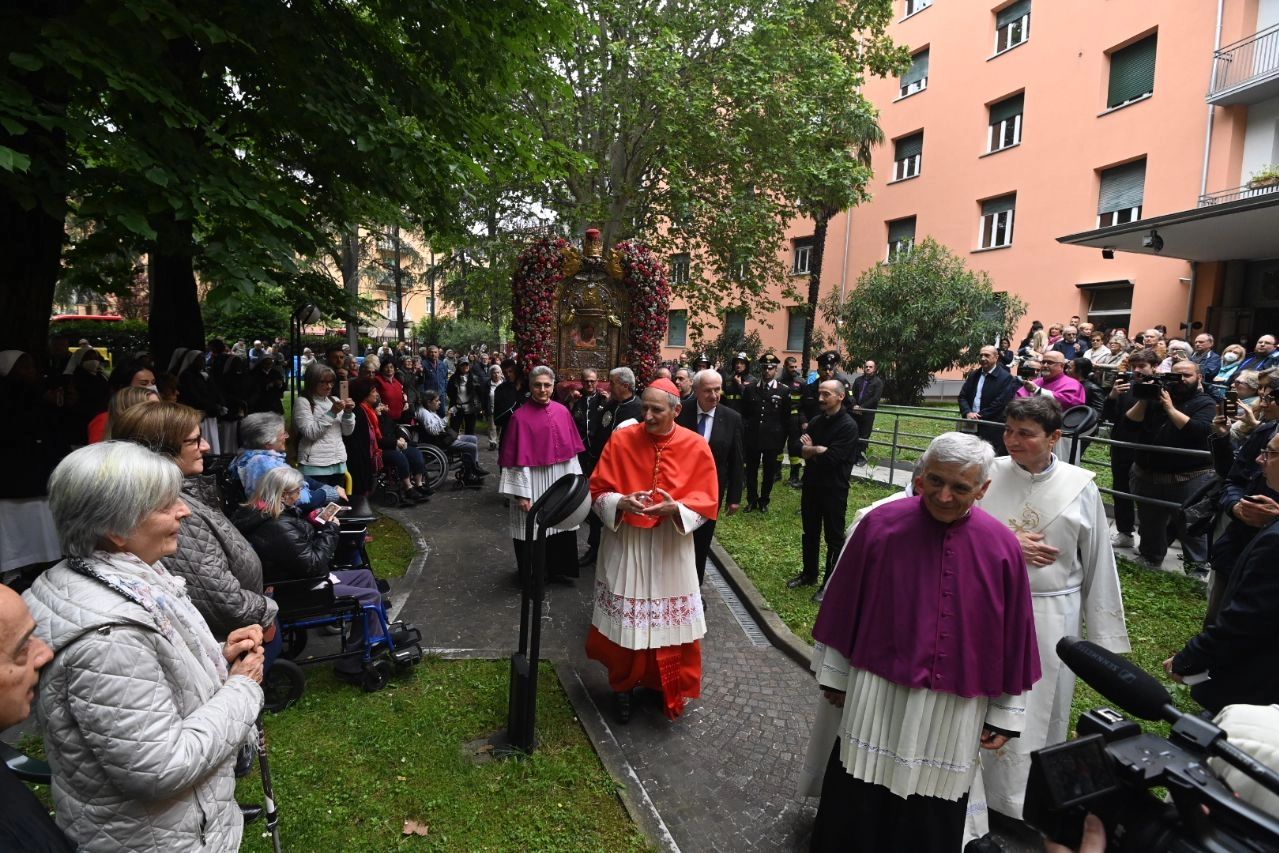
[(350, 767), (767, 547), (390, 548)]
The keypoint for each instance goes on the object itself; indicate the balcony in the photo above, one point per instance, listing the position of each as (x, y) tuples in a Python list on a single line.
[(1235, 194), (1247, 71)]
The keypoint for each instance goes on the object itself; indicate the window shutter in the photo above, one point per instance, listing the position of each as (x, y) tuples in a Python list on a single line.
[(1007, 108), (918, 68), (999, 205), (1122, 187), (1132, 72), (901, 229), (1007, 15), (909, 146)]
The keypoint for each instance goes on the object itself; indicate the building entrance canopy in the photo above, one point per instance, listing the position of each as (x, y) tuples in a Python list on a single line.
[(1246, 229)]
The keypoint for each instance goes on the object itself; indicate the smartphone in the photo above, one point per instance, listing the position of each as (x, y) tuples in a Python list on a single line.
[(344, 389), (330, 512), (1231, 405)]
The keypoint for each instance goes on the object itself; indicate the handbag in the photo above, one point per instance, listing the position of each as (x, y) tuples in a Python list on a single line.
[(1201, 509)]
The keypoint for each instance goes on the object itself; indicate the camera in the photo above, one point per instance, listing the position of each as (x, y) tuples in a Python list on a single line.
[(1146, 387), (1027, 371), (1113, 765)]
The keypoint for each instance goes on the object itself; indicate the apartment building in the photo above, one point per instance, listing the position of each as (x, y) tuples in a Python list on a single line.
[(1093, 157)]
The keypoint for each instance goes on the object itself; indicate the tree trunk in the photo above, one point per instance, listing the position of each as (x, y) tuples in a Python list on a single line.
[(175, 306), (31, 244), (351, 281), (814, 284)]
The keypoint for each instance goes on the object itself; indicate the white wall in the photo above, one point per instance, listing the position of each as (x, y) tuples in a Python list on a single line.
[(1261, 142)]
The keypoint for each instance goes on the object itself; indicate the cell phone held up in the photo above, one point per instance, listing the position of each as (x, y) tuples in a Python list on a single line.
[(344, 389), (329, 512), (1230, 406)]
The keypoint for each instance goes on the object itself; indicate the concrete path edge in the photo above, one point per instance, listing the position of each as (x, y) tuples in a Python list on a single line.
[(766, 617)]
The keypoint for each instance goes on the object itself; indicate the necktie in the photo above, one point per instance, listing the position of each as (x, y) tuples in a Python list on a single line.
[(703, 422)]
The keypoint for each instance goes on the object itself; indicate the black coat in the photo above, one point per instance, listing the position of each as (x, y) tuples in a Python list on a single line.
[(767, 415), (290, 547), (726, 443), (588, 412), (1000, 387), (1237, 649)]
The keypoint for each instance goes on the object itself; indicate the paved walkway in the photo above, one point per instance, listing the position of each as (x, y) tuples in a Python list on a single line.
[(720, 778)]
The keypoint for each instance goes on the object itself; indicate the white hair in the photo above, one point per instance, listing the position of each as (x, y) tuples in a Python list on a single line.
[(541, 370), (272, 486), (260, 429), (624, 375), (700, 375), (960, 448), (672, 400), (108, 489)]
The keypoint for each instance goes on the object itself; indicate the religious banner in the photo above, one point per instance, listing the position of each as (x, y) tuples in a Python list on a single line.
[(577, 309)]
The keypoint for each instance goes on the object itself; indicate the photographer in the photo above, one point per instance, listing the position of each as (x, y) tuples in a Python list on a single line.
[(1172, 413), (1116, 405)]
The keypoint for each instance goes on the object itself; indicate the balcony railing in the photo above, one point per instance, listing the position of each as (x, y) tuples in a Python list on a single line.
[(1239, 70), (1236, 193)]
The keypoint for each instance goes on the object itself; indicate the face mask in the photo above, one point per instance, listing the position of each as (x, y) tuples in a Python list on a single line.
[(1230, 357), (152, 389)]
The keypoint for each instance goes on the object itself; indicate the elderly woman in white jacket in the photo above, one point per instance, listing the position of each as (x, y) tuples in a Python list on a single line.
[(142, 710), (321, 419)]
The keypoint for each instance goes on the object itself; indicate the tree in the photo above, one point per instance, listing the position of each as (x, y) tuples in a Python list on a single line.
[(921, 314), (691, 121), (229, 138)]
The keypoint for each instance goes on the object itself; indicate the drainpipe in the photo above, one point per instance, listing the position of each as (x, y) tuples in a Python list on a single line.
[(1190, 298), (843, 267), (1216, 46)]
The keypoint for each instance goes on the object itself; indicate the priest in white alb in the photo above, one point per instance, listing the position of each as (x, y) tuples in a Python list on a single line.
[(655, 483), (1056, 512)]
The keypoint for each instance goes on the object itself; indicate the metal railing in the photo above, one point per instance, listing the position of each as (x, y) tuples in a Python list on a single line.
[(898, 452), (1247, 60), (1235, 194)]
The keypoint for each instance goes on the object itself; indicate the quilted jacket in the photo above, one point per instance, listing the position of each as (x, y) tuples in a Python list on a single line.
[(320, 433), (141, 738), (291, 547), (222, 573)]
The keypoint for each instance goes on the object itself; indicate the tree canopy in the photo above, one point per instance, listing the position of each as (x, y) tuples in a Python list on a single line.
[(707, 126), (231, 137), (923, 313)]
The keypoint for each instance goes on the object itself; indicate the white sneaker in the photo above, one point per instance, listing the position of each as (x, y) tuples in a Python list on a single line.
[(1122, 540)]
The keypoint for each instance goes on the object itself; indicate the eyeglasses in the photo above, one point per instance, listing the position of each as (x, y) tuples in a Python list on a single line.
[(1266, 453), (193, 442)]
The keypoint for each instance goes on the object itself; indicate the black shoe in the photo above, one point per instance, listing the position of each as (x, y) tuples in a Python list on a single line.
[(587, 559), (477, 471), (250, 813), (750, 507), (473, 482), (492, 445), (622, 707), (795, 483), (422, 493), (800, 580), (762, 506), (860, 460)]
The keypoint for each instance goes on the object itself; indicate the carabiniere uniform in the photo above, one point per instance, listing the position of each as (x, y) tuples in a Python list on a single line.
[(767, 418)]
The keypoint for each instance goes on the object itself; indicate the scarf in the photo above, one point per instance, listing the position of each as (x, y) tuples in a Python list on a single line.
[(163, 595), (375, 435)]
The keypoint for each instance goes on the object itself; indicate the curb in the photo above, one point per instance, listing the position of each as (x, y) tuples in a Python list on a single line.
[(769, 622), (631, 791)]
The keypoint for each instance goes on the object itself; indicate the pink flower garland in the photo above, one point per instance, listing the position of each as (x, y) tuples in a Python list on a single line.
[(537, 277)]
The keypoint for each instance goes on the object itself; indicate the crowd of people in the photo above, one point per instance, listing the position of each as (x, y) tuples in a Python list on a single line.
[(933, 693)]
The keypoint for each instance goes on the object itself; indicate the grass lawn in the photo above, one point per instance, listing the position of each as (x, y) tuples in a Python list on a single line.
[(1163, 610), (350, 768)]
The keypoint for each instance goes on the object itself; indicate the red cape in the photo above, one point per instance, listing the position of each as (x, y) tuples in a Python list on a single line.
[(686, 471)]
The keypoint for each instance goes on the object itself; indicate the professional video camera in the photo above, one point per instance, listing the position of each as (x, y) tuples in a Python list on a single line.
[(1147, 387), (1028, 370), (1110, 769)]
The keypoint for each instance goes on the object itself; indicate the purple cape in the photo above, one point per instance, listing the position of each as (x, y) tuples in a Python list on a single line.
[(539, 435), (931, 605)]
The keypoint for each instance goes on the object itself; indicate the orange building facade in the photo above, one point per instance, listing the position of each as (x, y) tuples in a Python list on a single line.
[(1028, 134)]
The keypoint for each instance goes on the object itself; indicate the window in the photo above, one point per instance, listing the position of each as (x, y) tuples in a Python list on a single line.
[(916, 77), (1132, 72), (677, 328), (795, 328), (907, 154), (1005, 123), (997, 221), (901, 236), (735, 323), (803, 256), (680, 266), (1110, 304), (1121, 195), (1012, 25), (913, 6)]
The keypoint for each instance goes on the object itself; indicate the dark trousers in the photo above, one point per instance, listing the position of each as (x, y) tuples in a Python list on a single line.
[(822, 509), (1121, 477), (772, 458), (464, 422), (865, 423), (857, 816), (1160, 524), (702, 537)]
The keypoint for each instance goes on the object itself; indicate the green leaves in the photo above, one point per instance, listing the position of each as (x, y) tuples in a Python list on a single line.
[(13, 161), (929, 296)]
